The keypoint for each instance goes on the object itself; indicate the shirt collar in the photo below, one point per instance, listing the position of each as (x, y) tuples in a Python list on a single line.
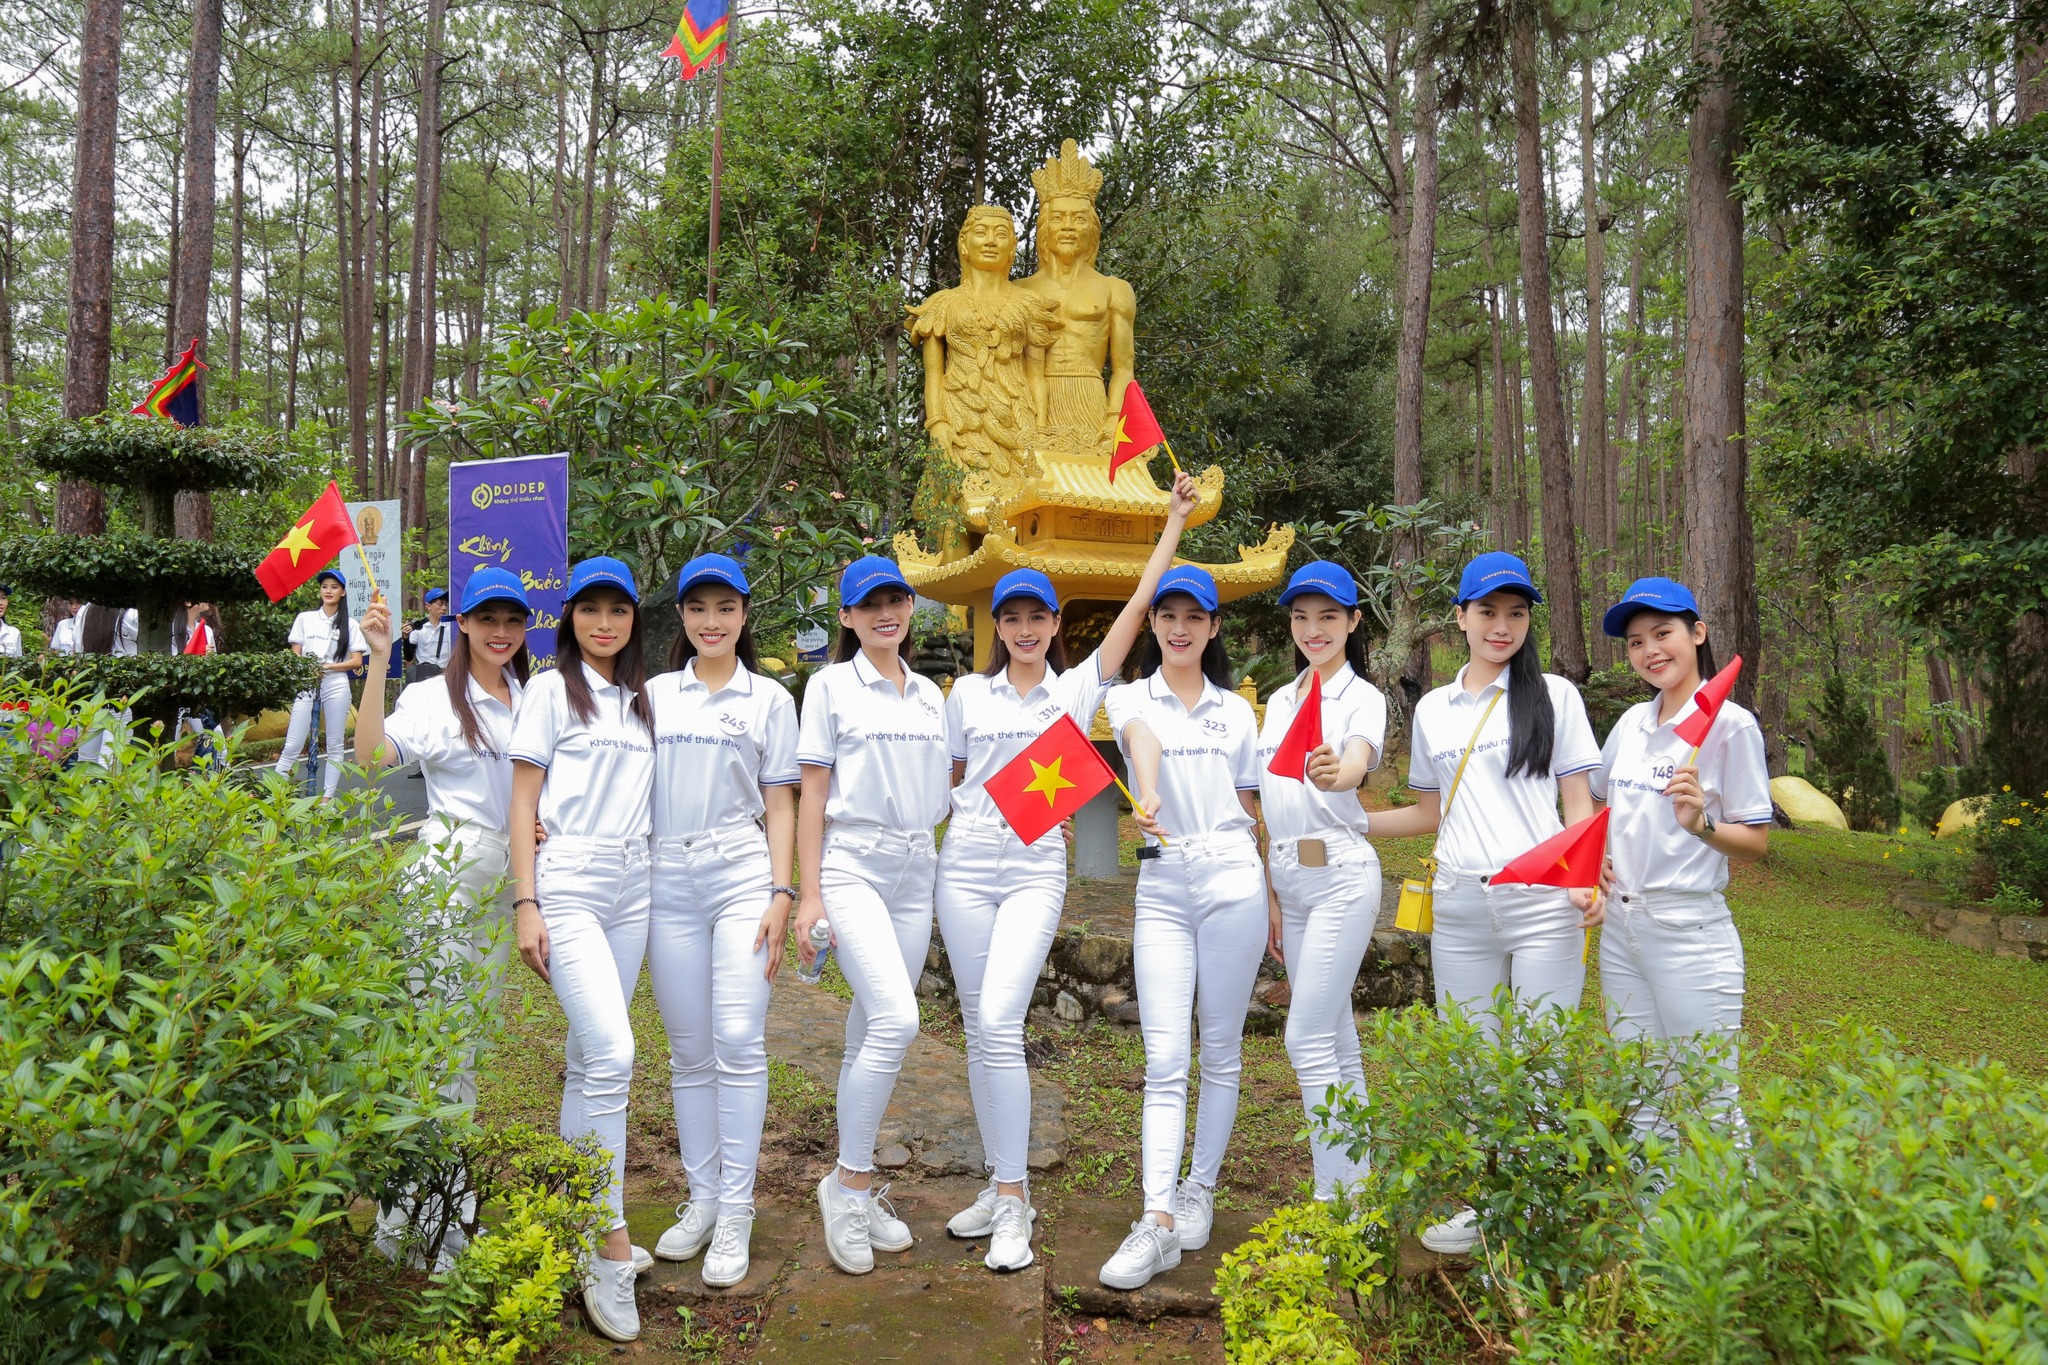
[(478, 694), (1158, 690), (1339, 683), (869, 676), (741, 680), (1458, 683), (595, 681), (1002, 681)]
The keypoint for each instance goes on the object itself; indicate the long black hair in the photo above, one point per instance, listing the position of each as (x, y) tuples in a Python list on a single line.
[(1215, 660), (1532, 723), (999, 653), (96, 628), (629, 668), (684, 648), (456, 673)]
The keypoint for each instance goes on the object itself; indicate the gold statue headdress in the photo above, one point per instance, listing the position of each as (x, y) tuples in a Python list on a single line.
[(1067, 176)]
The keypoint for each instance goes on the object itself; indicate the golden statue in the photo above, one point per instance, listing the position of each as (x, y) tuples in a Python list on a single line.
[(984, 345), (1097, 311)]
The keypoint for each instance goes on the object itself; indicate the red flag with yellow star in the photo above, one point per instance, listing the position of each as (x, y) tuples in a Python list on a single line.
[(310, 546), (1572, 858), (1137, 431), (1056, 775)]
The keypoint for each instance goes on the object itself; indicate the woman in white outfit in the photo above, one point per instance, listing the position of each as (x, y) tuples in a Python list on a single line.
[(999, 900), (725, 778), (874, 752), (1325, 876), (1192, 747), (1491, 756), (326, 633), (583, 768), (1670, 960)]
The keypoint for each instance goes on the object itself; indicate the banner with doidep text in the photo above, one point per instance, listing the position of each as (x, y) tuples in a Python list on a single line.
[(380, 541), (514, 514)]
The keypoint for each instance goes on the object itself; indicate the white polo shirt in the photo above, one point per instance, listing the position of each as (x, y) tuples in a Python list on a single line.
[(1206, 756), (314, 631), (461, 784), (434, 642), (714, 751), (64, 636), (600, 781), (1493, 817), (1352, 709), (1651, 851), (888, 751), (10, 641), (991, 724)]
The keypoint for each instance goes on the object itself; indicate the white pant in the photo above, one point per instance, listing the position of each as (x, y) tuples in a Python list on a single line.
[(877, 887), (334, 696), (1671, 966), (999, 904), (1327, 916), (1197, 940), (710, 891), (593, 898), (1527, 938)]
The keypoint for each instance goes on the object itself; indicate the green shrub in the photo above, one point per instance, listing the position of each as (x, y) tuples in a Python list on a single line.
[(1280, 1288), (158, 685), (2012, 839), (148, 452), (1853, 766), (219, 1026)]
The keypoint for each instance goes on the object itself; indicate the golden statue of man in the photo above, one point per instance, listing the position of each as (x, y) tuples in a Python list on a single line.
[(1097, 310), (984, 344)]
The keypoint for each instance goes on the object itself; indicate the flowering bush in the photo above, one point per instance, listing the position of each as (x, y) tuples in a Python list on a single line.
[(2012, 839)]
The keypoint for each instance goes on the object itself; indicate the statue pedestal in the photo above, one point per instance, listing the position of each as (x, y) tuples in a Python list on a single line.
[(1095, 832)]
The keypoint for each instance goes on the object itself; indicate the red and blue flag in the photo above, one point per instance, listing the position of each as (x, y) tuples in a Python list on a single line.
[(176, 395), (700, 35)]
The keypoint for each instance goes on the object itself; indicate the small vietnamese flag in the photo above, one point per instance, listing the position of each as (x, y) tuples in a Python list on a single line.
[(310, 546), (1137, 430), (1304, 733), (1572, 858), (1693, 729), (1056, 775)]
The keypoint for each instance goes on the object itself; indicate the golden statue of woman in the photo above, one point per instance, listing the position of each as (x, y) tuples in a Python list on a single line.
[(1097, 310), (984, 345)]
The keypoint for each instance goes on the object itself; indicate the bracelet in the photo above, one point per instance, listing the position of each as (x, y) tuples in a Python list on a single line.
[(788, 891), (526, 900)]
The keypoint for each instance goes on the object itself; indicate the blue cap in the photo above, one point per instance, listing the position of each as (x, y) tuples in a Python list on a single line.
[(493, 585), (712, 569), (601, 571), (1648, 594), (436, 595), (1026, 583), (1191, 579), (334, 574), (865, 575), (1495, 571), (1333, 581)]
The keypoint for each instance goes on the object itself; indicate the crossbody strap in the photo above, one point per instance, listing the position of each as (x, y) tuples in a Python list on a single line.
[(1459, 775)]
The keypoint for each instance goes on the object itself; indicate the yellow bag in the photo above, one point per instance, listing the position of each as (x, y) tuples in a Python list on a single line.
[(1416, 911)]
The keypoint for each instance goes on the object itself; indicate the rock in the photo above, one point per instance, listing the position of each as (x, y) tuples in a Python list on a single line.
[(1068, 1008), (1041, 996), (1264, 1020), (893, 1157), (1278, 994), (1975, 929), (1806, 803), (1960, 815), (1100, 958), (1123, 1012), (1921, 901), (1112, 997), (932, 986), (2023, 929), (1394, 945)]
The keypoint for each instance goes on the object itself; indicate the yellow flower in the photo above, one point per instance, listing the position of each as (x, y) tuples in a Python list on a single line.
[(2006, 788), (1990, 1202), (2012, 819)]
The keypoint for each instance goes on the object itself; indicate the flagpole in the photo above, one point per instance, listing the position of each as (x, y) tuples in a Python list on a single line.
[(717, 169), (1170, 455), (1134, 802)]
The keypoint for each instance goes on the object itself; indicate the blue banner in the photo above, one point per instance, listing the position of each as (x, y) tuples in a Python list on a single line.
[(514, 514)]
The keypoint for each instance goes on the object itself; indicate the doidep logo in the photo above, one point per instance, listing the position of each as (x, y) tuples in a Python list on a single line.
[(486, 495)]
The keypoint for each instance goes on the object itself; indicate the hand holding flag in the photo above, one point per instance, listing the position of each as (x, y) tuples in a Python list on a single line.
[(1708, 700), (1304, 733), (314, 542), (1137, 432), (1056, 775)]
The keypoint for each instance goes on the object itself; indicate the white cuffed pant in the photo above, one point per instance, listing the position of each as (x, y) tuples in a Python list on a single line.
[(1198, 937), (1671, 966), (877, 887), (999, 903), (710, 891), (594, 900), (1327, 915), (333, 696), (1527, 938)]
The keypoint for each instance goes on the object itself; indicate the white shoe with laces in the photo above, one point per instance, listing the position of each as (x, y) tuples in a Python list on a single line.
[(1454, 1237), (691, 1232), (979, 1218), (726, 1263), (886, 1232), (1194, 1213), (642, 1261), (846, 1226), (1149, 1250), (608, 1298), (1009, 1238)]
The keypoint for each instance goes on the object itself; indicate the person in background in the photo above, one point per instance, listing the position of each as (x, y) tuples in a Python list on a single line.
[(107, 630), (201, 631), (432, 641), (10, 634), (329, 634), (60, 625)]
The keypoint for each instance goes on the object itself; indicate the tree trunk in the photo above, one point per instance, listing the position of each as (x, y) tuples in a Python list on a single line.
[(89, 330), (416, 380), (7, 252), (1408, 383), (1553, 446), (567, 292), (1593, 454), (587, 219), (2030, 75), (237, 251), (1719, 554), (194, 514)]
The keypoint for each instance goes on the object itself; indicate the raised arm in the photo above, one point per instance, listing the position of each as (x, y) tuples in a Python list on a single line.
[(370, 747), (1123, 632)]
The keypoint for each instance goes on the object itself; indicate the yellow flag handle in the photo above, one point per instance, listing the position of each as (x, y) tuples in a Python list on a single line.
[(1178, 470), (1134, 803)]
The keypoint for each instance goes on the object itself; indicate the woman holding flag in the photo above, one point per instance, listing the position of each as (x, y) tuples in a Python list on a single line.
[(1323, 733), (329, 634), (1688, 792), (999, 899)]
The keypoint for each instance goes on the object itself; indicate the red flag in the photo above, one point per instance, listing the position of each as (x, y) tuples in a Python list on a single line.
[(1693, 729), (1056, 775), (1572, 858), (201, 639), (1304, 733), (1137, 430), (310, 546)]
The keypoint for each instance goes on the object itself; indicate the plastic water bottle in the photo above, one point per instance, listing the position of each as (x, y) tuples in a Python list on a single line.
[(821, 944)]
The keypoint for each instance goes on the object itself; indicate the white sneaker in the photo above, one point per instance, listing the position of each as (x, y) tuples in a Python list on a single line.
[(1456, 1237), (1194, 1212), (1009, 1239), (846, 1227), (642, 1261), (1149, 1250), (691, 1232), (886, 1232), (608, 1298), (979, 1218), (726, 1263)]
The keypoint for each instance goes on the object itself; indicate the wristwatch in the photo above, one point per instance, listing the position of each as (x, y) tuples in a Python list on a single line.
[(1707, 833)]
